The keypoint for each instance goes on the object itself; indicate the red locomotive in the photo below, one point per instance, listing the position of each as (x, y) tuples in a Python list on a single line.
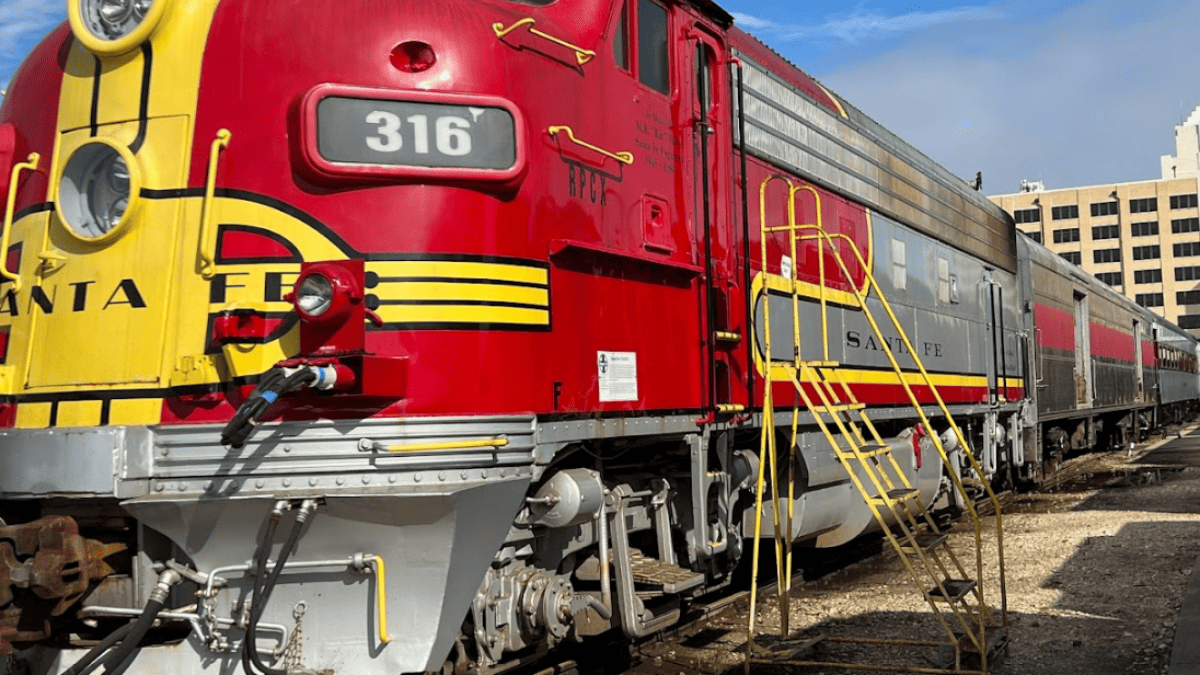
[(372, 337)]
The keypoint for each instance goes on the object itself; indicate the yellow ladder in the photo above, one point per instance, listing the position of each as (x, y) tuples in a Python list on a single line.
[(956, 597)]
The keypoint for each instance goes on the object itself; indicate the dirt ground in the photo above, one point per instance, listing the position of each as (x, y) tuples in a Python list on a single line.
[(1096, 571)]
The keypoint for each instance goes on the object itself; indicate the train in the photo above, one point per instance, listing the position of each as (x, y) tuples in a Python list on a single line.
[(408, 337)]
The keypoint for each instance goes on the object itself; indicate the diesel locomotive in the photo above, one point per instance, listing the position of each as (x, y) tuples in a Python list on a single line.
[(397, 337)]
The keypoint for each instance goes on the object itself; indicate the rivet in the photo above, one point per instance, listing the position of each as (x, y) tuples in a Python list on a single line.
[(159, 487), (340, 480), (312, 482), (441, 475), (165, 451), (287, 448), (182, 487), (287, 482), (259, 483), (392, 478), (417, 477), (366, 480), (464, 475), (233, 485)]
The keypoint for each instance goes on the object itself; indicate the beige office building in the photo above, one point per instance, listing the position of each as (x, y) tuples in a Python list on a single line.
[(1141, 238)]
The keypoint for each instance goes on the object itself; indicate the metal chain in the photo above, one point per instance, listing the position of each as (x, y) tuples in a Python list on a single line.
[(291, 653)]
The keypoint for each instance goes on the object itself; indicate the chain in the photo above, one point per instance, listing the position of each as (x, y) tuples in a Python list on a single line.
[(291, 653)]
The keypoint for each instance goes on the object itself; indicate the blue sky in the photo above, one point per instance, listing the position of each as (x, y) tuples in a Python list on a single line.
[(1071, 93)]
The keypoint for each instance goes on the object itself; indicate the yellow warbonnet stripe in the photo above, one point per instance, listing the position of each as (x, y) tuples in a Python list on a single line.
[(474, 292), (883, 377), (461, 270), (463, 314)]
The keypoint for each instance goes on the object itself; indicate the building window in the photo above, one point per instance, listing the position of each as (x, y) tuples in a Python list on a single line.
[(1188, 297), (1067, 235), (1148, 229), (1106, 255), (1106, 232), (1036, 236), (653, 62), (1189, 321), (1073, 257), (1027, 215), (1146, 252), (1148, 276), (1150, 299), (1104, 209), (1180, 225), (1187, 273), (1110, 278), (1065, 212), (1147, 205), (1186, 249), (1183, 201)]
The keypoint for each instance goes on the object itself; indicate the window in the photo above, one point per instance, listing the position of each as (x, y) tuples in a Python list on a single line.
[(1147, 276), (1104, 209), (1065, 212), (653, 64), (1188, 297), (1148, 229), (1027, 215), (1106, 255), (1186, 250), (621, 39), (899, 266), (1190, 321), (1150, 299), (1146, 252), (1183, 201), (1106, 232), (1065, 236), (1074, 257), (1147, 205), (1036, 236), (1110, 278), (1185, 225), (1187, 273)]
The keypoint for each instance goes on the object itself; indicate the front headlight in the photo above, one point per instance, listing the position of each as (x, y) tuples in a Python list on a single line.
[(97, 188), (314, 295), (113, 26)]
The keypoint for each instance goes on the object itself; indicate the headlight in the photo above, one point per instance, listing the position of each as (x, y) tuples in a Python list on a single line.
[(113, 26), (97, 189), (314, 296)]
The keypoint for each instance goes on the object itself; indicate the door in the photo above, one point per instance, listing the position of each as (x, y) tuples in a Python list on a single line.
[(1083, 352)]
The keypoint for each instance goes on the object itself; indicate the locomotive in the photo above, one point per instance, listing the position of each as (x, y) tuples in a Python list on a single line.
[(397, 337)]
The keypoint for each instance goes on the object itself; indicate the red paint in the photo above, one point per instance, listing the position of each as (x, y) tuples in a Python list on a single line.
[(1055, 327), (1111, 343), (32, 107), (1148, 356)]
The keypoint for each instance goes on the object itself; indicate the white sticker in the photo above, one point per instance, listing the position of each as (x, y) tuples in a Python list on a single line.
[(618, 376), (785, 267)]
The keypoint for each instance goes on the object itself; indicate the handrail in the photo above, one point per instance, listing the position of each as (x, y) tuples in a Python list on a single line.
[(207, 256), (624, 157), (10, 204), (582, 56)]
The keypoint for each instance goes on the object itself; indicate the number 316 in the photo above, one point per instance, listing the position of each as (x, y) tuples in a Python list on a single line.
[(450, 133)]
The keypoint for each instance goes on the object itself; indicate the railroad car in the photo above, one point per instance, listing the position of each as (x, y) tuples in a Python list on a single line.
[(407, 337)]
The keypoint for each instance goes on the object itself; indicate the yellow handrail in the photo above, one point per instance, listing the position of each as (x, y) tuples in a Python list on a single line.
[(9, 206), (381, 597), (582, 55), (623, 157), (207, 256)]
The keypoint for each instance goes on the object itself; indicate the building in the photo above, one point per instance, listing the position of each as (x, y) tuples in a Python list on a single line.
[(1141, 238)]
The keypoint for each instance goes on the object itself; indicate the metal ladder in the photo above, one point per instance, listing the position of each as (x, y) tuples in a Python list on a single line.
[(956, 597)]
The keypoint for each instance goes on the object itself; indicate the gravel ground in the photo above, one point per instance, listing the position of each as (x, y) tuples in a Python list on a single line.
[(1095, 575)]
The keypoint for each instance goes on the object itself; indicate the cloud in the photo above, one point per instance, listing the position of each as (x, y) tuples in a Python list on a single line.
[(863, 24), (1085, 96), (22, 23)]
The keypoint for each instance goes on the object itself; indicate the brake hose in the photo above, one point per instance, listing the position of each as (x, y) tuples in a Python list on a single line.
[(115, 661), (273, 384), (264, 586)]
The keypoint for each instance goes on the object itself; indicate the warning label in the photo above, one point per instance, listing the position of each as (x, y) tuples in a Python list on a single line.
[(618, 376)]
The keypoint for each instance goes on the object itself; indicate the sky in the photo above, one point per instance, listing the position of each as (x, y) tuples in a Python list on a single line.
[(1071, 93)]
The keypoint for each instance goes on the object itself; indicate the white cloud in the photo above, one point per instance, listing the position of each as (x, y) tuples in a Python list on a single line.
[(22, 24), (864, 24), (1089, 95)]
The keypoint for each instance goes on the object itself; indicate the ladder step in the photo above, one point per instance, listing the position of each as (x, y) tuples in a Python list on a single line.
[(672, 578), (924, 542), (838, 408), (874, 450), (820, 364), (956, 588), (727, 336), (896, 496)]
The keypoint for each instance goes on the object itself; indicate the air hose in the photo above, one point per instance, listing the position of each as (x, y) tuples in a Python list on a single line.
[(263, 586), (273, 384), (130, 635), (94, 653)]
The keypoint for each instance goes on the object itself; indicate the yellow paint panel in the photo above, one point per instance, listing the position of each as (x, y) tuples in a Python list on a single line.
[(460, 270), (805, 289), (472, 292), (79, 413), (463, 314), (75, 99), (33, 415), (135, 411), (781, 373)]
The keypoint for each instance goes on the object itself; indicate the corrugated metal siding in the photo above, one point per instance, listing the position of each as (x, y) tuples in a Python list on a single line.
[(857, 157)]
